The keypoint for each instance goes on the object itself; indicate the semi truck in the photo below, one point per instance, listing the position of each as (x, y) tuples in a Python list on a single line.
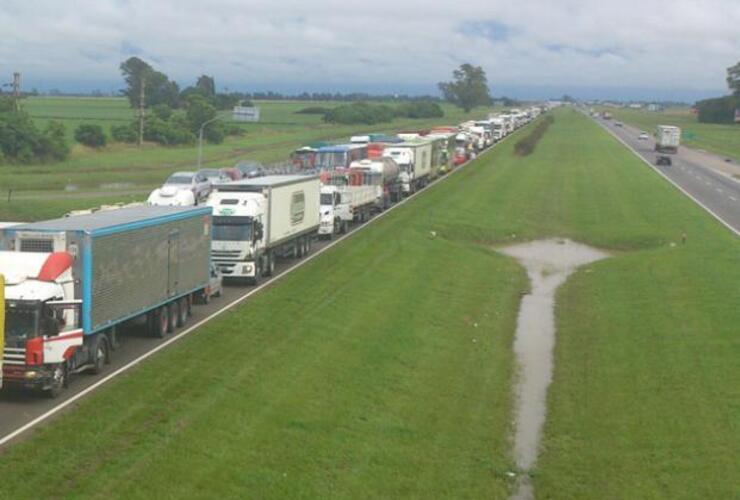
[(71, 283), (383, 174), (256, 221), (667, 139), (414, 157), (339, 156), (343, 204)]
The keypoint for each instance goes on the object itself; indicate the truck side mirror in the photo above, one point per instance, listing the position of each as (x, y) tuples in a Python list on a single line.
[(258, 232)]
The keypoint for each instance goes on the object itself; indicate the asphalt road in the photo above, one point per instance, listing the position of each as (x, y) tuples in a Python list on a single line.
[(704, 176)]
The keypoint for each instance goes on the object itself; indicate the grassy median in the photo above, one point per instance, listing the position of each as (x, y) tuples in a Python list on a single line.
[(384, 368)]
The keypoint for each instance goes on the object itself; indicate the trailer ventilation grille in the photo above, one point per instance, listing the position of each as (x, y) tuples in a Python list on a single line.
[(37, 245)]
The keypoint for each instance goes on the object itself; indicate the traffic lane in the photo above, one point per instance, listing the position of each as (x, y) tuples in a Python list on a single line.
[(18, 407), (715, 191)]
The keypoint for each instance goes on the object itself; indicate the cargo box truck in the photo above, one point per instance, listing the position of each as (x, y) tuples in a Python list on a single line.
[(256, 221), (70, 283), (667, 139), (414, 157)]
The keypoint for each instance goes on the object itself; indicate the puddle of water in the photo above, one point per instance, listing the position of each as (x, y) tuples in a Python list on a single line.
[(548, 264)]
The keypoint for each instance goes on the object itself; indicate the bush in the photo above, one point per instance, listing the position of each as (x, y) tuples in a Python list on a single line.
[(162, 111), (91, 135), (22, 142), (124, 133), (420, 109), (231, 129), (312, 110), (168, 133), (54, 141), (526, 146)]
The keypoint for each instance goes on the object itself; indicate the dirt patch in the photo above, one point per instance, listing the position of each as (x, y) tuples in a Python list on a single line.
[(548, 264), (526, 146)]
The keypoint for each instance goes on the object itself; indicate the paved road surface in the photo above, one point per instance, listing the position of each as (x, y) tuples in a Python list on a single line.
[(706, 177)]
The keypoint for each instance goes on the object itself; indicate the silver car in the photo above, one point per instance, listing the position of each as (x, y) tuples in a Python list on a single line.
[(195, 182)]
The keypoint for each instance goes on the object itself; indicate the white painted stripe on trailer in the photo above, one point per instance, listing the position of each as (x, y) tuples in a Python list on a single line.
[(53, 411), (692, 197)]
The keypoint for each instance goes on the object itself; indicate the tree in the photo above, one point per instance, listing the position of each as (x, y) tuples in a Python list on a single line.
[(733, 79), (91, 135), (468, 89), (158, 89), (22, 142), (206, 85), (55, 140), (200, 111)]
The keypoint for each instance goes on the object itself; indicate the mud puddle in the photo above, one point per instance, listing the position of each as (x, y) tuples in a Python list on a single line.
[(548, 264)]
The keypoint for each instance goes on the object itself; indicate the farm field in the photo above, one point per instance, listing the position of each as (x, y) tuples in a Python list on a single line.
[(383, 368), (723, 140), (126, 168)]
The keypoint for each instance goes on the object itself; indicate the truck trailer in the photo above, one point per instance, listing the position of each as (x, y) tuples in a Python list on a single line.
[(70, 284), (343, 204), (667, 139), (256, 221), (414, 157)]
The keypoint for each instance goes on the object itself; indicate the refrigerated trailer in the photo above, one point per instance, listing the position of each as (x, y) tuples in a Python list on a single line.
[(414, 157), (259, 220), (667, 138), (70, 284)]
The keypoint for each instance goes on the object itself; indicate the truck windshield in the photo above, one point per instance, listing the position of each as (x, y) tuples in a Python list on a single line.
[(21, 321), (331, 160), (327, 199), (232, 228)]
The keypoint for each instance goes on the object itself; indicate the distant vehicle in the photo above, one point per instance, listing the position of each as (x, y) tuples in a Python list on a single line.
[(232, 173), (250, 169), (663, 160), (667, 139), (618, 124), (213, 175), (176, 188), (643, 136)]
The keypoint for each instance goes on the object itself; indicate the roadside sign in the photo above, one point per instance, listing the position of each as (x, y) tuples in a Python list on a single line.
[(246, 114), (2, 326)]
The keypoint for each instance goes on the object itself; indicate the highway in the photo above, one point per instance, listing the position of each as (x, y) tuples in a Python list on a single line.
[(21, 411), (708, 179)]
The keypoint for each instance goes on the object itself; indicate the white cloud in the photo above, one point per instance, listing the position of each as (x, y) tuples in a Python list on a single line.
[(636, 43)]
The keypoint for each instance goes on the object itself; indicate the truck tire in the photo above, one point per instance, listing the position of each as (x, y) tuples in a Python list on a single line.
[(345, 227), (99, 352), (159, 322), (298, 248), (182, 312), (270, 267), (171, 316)]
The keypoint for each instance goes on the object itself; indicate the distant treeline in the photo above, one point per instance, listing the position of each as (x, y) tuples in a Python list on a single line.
[(718, 110), (371, 114)]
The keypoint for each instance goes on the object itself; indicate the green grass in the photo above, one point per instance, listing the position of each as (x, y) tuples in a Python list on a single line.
[(723, 140), (272, 140), (363, 374)]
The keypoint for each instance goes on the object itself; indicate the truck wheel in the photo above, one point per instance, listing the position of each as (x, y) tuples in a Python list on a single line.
[(160, 320), (270, 268), (345, 227), (171, 316), (299, 248), (182, 312), (59, 382), (306, 248), (99, 354)]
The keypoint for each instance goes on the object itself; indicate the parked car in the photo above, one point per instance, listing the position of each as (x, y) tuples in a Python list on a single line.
[(251, 169), (214, 175), (188, 181), (643, 136), (232, 173)]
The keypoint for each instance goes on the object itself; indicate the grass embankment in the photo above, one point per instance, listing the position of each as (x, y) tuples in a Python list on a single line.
[(723, 140), (363, 374)]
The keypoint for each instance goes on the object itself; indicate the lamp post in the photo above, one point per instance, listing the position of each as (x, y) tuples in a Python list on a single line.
[(200, 137)]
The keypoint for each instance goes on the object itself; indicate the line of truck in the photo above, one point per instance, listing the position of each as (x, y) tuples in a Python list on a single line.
[(73, 284)]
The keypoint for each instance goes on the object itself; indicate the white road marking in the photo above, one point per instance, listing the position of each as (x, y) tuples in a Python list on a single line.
[(41, 418)]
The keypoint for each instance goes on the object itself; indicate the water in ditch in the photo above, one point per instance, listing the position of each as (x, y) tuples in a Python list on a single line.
[(548, 264)]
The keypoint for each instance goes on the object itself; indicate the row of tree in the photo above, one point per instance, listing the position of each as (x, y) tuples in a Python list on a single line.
[(371, 114)]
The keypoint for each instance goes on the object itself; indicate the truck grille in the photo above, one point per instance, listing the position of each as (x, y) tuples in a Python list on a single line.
[(226, 267), (226, 254), (14, 356), (37, 245)]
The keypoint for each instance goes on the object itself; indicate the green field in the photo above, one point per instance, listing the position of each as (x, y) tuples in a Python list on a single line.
[(383, 368), (723, 140), (120, 167)]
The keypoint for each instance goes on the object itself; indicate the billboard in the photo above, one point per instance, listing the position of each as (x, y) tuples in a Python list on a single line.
[(246, 114)]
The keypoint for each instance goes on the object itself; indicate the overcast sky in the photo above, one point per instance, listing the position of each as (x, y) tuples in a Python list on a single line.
[(384, 45)]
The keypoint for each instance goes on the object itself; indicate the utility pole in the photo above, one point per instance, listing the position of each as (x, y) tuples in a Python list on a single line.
[(17, 91), (200, 137), (142, 85)]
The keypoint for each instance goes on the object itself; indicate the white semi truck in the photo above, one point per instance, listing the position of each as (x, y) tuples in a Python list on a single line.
[(256, 221), (667, 139), (342, 205), (414, 157), (70, 284)]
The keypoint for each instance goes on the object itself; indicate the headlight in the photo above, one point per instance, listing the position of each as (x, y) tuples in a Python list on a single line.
[(31, 374)]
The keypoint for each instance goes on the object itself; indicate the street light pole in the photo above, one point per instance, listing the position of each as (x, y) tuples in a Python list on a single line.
[(200, 137)]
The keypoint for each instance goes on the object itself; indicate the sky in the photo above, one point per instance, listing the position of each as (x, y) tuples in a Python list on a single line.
[(626, 49)]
